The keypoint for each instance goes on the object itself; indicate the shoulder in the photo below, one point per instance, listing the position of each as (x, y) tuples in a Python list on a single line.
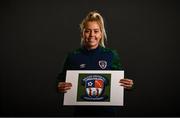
[(74, 52), (109, 50)]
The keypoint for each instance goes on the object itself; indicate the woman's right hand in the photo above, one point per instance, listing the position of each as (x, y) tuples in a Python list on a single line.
[(64, 86)]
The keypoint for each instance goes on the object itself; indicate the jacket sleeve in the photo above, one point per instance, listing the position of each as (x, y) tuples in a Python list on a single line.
[(116, 62), (62, 75)]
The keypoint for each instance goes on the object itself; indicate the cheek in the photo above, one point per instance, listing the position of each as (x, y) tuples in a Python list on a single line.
[(99, 36), (86, 35)]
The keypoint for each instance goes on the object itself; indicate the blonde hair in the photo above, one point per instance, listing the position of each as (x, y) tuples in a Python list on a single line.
[(94, 16)]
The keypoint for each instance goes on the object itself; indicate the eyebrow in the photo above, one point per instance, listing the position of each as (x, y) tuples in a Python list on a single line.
[(92, 29)]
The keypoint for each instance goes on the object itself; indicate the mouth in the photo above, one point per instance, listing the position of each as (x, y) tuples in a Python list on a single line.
[(91, 39)]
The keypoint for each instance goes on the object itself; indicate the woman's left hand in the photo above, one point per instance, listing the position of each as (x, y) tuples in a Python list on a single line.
[(126, 83)]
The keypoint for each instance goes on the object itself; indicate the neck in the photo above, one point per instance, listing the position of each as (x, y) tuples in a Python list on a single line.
[(91, 48)]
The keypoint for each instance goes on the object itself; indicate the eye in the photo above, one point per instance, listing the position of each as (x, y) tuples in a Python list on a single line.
[(87, 31), (96, 31)]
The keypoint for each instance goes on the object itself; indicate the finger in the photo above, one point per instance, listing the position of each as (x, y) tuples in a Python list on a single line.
[(126, 86), (63, 84), (129, 80), (126, 81), (66, 85), (64, 89), (67, 88)]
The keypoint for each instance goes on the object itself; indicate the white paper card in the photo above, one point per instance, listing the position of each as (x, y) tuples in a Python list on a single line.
[(95, 88)]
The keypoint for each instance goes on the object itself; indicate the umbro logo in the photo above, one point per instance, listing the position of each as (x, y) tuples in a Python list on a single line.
[(82, 65)]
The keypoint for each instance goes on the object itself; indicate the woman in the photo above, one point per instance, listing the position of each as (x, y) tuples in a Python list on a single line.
[(89, 56)]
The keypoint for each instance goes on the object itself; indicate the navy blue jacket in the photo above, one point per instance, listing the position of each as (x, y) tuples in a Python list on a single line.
[(96, 59)]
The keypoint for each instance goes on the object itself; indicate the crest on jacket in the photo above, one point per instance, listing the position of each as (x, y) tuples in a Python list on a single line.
[(102, 64)]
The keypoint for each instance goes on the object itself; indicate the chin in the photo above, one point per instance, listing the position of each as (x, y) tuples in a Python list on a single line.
[(91, 45)]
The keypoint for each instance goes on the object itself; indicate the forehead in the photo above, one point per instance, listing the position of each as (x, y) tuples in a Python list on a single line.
[(92, 25)]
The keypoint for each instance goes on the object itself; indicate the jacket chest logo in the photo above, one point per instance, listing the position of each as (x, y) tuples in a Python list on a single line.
[(102, 64)]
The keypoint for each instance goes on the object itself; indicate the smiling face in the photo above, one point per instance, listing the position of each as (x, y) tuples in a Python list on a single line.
[(92, 35)]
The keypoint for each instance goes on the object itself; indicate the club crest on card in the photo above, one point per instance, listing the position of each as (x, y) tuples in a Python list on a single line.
[(94, 87)]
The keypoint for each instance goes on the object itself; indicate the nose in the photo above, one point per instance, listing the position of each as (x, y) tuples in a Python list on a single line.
[(91, 33)]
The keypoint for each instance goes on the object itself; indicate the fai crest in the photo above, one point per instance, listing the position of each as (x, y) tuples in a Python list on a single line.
[(94, 87), (103, 64)]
